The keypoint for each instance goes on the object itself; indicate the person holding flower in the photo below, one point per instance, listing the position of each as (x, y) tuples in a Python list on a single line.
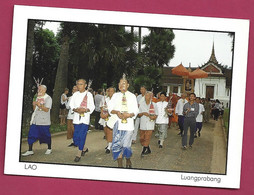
[(40, 121)]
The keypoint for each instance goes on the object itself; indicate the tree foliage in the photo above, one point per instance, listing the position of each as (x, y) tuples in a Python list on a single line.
[(41, 62), (157, 52), (45, 57), (158, 46), (99, 52)]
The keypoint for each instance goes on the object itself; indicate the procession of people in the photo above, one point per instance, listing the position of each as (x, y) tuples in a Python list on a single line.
[(123, 116)]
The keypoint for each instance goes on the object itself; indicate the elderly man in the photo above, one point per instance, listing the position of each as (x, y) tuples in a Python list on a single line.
[(179, 112), (124, 105), (148, 114), (140, 98), (82, 104), (40, 122)]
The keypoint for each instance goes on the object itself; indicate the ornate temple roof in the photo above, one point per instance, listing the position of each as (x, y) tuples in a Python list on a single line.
[(213, 57), (212, 67)]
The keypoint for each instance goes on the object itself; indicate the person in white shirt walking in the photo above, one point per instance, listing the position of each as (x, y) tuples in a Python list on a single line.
[(82, 104), (199, 119), (140, 98), (124, 106), (64, 100), (179, 112), (148, 114), (105, 117), (162, 119), (70, 126), (97, 100)]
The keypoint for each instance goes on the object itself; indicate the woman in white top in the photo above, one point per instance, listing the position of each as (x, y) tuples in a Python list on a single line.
[(64, 100)]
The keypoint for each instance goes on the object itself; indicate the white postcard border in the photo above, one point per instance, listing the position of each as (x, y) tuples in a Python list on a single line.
[(18, 53)]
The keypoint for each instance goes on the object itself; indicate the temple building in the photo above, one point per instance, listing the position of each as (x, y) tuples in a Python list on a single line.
[(216, 86)]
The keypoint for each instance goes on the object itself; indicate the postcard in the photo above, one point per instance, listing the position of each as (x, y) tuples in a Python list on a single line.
[(126, 97)]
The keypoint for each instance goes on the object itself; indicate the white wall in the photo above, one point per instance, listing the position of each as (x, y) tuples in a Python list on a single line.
[(220, 90)]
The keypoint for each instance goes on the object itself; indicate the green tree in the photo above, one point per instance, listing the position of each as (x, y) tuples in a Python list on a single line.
[(45, 57), (157, 52), (62, 70), (159, 49), (41, 61), (28, 95), (149, 78), (103, 53)]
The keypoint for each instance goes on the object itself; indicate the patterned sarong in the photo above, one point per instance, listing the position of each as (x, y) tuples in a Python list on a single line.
[(121, 143)]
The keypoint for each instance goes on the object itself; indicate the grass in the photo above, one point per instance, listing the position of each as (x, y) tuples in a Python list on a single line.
[(226, 119)]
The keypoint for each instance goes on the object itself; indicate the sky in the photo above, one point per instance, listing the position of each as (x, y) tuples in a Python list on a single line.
[(195, 47), (191, 47)]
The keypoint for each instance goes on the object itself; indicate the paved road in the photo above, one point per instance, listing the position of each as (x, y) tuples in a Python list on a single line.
[(208, 154)]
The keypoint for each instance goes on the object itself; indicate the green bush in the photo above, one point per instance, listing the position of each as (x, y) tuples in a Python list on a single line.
[(54, 128)]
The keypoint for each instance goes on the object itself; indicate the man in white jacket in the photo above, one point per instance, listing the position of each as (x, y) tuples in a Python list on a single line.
[(124, 106)]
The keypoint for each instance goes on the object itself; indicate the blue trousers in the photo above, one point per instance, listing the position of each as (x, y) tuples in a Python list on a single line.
[(39, 132), (180, 122), (79, 136), (198, 126)]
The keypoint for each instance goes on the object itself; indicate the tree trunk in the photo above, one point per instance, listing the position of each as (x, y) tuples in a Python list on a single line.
[(132, 33), (140, 41), (28, 83), (61, 79)]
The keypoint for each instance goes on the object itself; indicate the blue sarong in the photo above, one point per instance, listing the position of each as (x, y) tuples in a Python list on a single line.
[(79, 135), (121, 143), (39, 132)]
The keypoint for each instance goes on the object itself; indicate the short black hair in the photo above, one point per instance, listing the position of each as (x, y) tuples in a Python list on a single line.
[(192, 94)]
